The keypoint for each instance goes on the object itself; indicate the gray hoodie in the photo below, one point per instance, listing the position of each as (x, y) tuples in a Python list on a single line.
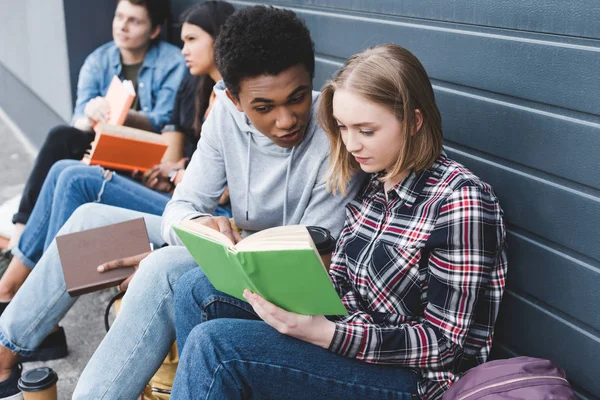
[(268, 185)]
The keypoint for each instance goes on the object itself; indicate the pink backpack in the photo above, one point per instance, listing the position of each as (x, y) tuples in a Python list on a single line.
[(525, 378)]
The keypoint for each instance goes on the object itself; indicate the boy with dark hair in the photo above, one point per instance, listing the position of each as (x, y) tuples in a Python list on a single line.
[(262, 140), (155, 68)]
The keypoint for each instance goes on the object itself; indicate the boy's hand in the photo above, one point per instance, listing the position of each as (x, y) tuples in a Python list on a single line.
[(133, 261), (220, 224), (97, 109)]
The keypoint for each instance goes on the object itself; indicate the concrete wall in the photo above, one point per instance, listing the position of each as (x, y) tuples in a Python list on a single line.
[(34, 49)]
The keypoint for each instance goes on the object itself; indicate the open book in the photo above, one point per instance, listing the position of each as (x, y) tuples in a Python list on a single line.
[(124, 148), (120, 96), (280, 264)]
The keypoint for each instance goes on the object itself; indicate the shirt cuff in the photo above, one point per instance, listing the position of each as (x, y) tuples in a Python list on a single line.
[(347, 340)]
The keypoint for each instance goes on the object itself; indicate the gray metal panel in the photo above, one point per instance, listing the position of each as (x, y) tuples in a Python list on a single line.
[(540, 332), (573, 18), (552, 70), (545, 208), (570, 282), (550, 139)]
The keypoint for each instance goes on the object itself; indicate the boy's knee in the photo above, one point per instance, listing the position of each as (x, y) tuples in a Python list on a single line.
[(207, 335), (57, 169), (167, 265), (188, 288), (86, 216)]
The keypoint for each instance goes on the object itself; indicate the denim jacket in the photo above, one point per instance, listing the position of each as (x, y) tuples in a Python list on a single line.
[(158, 79)]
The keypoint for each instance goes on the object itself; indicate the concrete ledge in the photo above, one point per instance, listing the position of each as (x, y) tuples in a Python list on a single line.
[(25, 109)]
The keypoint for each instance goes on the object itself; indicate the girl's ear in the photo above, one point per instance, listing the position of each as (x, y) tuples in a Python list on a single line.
[(418, 120)]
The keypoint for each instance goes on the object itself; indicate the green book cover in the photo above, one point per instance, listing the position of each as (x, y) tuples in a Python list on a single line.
[(293, 279)]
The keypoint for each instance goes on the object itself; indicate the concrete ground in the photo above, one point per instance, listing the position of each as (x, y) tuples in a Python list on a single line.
[(84, 324)]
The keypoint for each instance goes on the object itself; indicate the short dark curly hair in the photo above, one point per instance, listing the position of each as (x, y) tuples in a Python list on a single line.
[(259, 40)]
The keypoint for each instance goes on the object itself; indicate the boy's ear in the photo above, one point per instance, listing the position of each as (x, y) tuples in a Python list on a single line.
[(155, 32), (418, 120), (235, 100)]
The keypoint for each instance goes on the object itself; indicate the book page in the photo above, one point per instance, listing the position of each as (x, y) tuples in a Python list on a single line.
[(128, 133), (289, 232), (290, 237)]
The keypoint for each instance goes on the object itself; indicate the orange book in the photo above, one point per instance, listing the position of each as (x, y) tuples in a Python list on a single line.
[(120, 96), (125, 148)]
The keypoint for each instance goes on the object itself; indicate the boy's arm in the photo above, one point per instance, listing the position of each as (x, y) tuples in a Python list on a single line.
[(203, 183), (88, 87)]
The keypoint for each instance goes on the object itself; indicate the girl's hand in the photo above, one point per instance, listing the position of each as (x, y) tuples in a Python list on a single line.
[(317, 330)]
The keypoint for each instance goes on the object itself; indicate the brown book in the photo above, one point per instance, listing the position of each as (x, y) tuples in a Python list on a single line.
[(82, 252)]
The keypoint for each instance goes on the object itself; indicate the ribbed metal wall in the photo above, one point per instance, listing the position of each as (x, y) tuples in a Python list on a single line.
[(518, 85)]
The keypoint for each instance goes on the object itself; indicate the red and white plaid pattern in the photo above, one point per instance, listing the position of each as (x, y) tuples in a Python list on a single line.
[(422, 274)]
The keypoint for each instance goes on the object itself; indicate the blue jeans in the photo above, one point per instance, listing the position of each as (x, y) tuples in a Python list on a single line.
[(232, 355), (139, 338), (70, 184)]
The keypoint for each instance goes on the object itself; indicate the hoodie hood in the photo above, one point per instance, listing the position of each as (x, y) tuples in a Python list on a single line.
[(259, 142)]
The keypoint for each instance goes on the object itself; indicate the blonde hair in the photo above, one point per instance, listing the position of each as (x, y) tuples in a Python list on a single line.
[(392, 77)]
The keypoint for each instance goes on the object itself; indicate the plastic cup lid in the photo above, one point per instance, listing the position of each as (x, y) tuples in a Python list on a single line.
[(36, 380), (323, 240)]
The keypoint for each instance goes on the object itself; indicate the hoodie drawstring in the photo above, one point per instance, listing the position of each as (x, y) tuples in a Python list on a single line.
[(287, 181), (248, 174)]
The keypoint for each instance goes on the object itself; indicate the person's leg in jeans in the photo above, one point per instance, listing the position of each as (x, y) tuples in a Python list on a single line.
[(43, 300), (240, 359), (62, 142), (143, 332), (69, 185), (196, 300)]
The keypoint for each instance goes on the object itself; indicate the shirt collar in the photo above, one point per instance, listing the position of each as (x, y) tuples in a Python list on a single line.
[(409, 188), (149, 59)]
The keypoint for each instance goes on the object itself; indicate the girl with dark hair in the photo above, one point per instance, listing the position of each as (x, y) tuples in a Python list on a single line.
[(71, 184)]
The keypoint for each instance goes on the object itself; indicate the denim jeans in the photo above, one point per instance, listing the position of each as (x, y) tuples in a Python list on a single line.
[(43, 301), (62, 142), (70, 184), (139, 338), (232, 355)]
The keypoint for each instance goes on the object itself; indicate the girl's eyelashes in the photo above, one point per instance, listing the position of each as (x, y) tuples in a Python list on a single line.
[(366, 133)]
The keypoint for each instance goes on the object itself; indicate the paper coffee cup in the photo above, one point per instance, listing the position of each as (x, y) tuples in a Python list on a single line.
[(324, 242), (38, 384)]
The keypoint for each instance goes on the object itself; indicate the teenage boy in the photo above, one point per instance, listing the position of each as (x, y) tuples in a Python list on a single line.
[(262, 140), (155, 68)]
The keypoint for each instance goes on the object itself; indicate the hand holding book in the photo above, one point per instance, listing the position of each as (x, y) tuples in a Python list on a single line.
[(97, 110), (317, 330), (127, 262)]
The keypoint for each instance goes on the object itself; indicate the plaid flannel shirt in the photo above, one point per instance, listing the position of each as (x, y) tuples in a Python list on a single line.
[(421, 274)]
